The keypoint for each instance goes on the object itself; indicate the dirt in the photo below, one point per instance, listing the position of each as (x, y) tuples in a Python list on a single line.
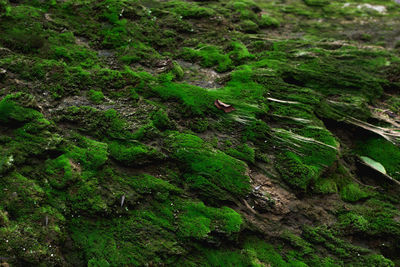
[(270, 204)]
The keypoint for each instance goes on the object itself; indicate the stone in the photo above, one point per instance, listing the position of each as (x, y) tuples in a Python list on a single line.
[(3, 74)]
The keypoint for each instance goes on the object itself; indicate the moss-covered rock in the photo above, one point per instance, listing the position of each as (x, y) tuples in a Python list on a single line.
[(112, 152)]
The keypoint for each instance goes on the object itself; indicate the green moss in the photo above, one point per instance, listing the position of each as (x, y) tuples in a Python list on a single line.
[(257, 131), (356, 221), (63, 181), (304, 247), (133, 153), (373, 218), (244, 93), (74, 54), (243, 152), (239, 53), (11, 111), (160, 189), (5, 8), (316, 155), (99, 240), (195, 100), (266, 21), (23, 40), (98, 123), (383, 152), (249, 26), (138, 52), (96, 96), (178, 71), (191, 10), (264, 252), (323, 236), (28, 192), (224, 258), (211, 172), (90, 154), (326, 186), (294, 171), (161, 120), (317, 3), (197, 221), (199, 125), (209, 56), (60, 172)]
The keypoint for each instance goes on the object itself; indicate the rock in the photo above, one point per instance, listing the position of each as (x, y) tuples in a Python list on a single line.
[(3, 74), (105, 53), (5, 52)]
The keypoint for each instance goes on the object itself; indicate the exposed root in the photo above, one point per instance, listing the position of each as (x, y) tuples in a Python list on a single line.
[(300, 138), (392, 135), (282, 101)]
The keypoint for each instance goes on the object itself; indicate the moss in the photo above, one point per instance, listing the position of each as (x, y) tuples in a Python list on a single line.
[(356, 221), (295, 172), (74, 54), (211, 172), (343, 249), (191, 10), (303, 164), (99, 240), (23, 40), (133, 153), (96, 96), (243, 152), (197, 221), (378, 260), (63, 181), (194, 99), (304, 247), (178, 71), (11, 111), (264, 252), (90, 154), (257, 131), (249, 26), (383, 152), (149, 225), (316, 3), (326, 186), (244, 93), (209, 56), (138, 52), (5, 8), (224, 258), (239, 53), (60, 172), (199, 125), (266, 21), (374, 218), (98, 123), (161, 120)]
